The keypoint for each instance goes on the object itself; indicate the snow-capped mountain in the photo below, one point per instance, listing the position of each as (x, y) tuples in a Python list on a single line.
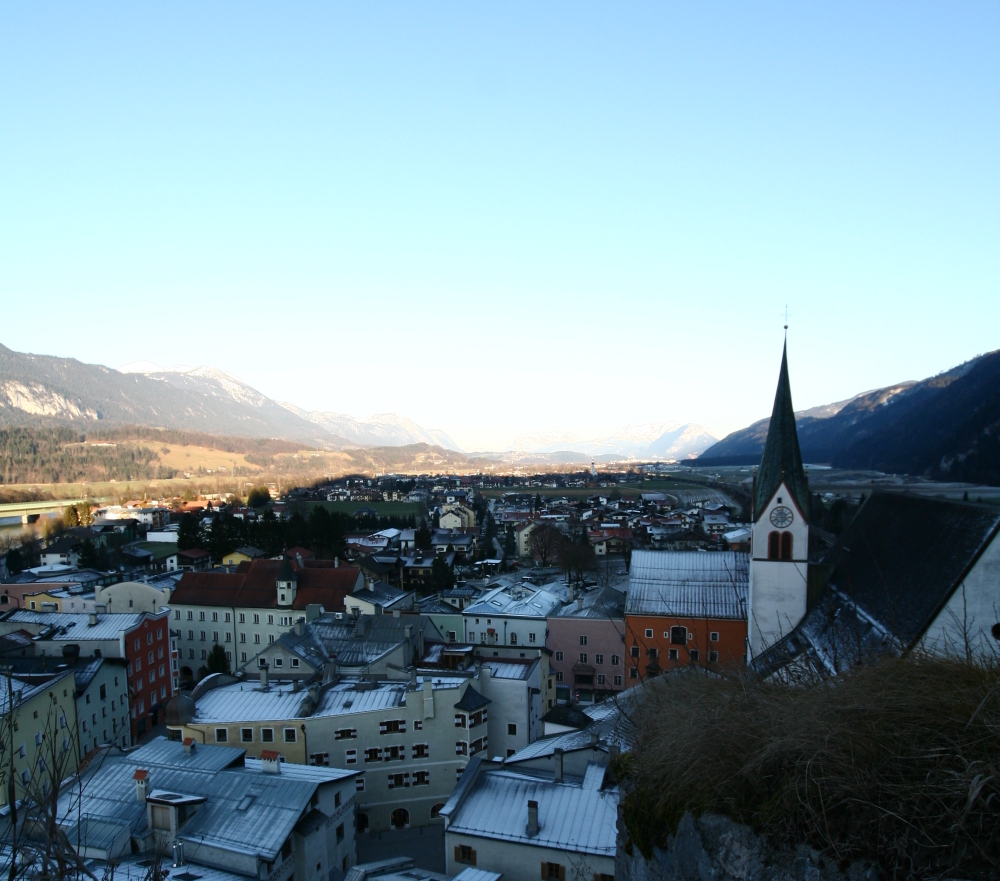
[(651, 440), (380, 430)]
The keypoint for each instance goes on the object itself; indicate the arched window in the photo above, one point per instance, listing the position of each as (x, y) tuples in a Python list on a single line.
[(513, 639), (773, 546), (400, 818), (436, 810), (786, 546), (362, 822), (678, 635)]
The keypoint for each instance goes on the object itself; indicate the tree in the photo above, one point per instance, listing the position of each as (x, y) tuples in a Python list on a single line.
[(509, 545), (15, 562), (71, 517), (259, 497), (217, 661), (544, 541), (188, 535), (88, 555), (422, 538), (442, 575)]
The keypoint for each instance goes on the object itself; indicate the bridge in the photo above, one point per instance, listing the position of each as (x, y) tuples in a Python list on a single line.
[(29, 512)]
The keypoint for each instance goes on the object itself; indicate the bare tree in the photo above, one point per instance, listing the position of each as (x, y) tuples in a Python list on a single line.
[(545, 540)]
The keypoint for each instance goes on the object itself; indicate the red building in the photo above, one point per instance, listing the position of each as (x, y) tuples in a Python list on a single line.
[(146, 650)]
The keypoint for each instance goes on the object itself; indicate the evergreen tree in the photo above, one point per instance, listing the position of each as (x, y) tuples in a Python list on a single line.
[(187, 533), (217, 661)]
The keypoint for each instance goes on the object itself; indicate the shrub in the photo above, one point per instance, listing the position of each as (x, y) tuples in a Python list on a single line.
[(898, 762)]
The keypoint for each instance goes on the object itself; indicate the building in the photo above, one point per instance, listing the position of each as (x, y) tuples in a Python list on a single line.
[(137, 596), (683, 608), (208, 806), (140, 639), (779, 559), (513, 819), (40, 720), (243, 555), (587, 641), (510, 615), (404, 869), (407, 741), (244, 611), (909, 573)]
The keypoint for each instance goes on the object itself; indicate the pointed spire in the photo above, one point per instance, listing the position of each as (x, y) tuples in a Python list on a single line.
[(782, 460)]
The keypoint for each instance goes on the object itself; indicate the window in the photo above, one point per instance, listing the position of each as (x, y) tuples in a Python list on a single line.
[(472, 636), (320, 759), (653, 653), (270, 619), (228, 616), (256, 638), (583, 640), (345, 733), (513, 639), (465, 855), (394, 753), (615, 660), (279, 662), (421, 778), (374, 754), (246, 735), (267, 735), (359, 786), (714, 636), (531, 637), (559, 676), (392, 726), (694, 654), (618, 680), (598, 659), (270, 638), (459, 720), (289, 735), (204, 654), (511, 728), (634, 651), (351, 757), (603, 876), (397, 780), (601, 679), (243, 638), (649, 633), (786, 546), (202, 632), (678, 635), (243, 618), (461, 748), (256, 619), (201, 616), (243, 656), (190, 615), (713, 657), (583, 657), (559, 656), (221, 735), (295, 663), (190, 636), (340, 832), (633, 672), (177, 614), (215, 636), (672, 654), (773, 546), (553, 872)]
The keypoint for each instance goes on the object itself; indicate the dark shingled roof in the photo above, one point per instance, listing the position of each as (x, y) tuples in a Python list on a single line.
[(782, 460), (893, 570), (472, 700)]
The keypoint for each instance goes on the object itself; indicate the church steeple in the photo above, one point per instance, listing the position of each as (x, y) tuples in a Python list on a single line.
[(782, 460)]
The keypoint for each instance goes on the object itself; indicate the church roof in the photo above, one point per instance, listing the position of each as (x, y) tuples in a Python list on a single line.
[(782, 460)]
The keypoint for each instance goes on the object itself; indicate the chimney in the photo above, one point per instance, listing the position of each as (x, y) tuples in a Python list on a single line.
[(299, 626), (594, 739), (188, 745), (336, 562), (141, 778), (71, 653), (263, 678), (533, 826), (557, 760), (269, 762), (178, 854), (92, 619), (298, 558)]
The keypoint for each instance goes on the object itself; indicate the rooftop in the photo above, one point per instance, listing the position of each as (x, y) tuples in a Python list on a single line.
[(688, 584)]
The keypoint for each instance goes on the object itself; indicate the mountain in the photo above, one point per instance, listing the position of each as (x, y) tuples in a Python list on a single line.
[(945, 427), (381, 430), (651, 440)]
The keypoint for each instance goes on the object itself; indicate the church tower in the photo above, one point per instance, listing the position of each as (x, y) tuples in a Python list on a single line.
[(779, 557)]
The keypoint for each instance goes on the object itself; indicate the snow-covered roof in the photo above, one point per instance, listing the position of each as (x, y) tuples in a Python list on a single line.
[(688, 584)]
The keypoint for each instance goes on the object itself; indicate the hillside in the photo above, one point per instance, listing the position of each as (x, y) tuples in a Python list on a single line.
[(945, 427), (42, 390)]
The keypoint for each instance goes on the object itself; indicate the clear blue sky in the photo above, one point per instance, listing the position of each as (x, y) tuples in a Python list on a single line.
[(503, 218)]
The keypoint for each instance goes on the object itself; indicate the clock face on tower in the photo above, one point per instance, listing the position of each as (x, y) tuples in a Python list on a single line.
[(782, 517)]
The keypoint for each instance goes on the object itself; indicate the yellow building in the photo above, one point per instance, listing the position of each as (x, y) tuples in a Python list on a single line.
[(243, 555)]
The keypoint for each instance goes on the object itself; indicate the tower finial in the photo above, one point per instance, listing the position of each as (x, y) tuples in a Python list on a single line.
[(786, 321)]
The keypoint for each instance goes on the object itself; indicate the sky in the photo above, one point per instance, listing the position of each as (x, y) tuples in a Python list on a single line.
[(502, 219)]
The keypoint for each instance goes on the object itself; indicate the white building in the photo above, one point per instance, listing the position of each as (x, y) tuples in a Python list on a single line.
[(510, 615)]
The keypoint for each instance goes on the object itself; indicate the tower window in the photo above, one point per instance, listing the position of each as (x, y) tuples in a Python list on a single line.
[(786, 546), (773, 546)]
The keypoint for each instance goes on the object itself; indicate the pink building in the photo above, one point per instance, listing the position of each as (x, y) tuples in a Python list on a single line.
[(587, 640)]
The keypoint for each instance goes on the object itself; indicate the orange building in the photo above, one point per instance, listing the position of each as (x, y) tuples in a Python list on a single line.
[(685, 608)]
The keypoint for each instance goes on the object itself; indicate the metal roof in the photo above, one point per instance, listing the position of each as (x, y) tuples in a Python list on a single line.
[(471, 874), (596, 603), (311, 773), (571, 818), (688, 584), (76, 626), (515, 602), (245, 810), (500, 669)]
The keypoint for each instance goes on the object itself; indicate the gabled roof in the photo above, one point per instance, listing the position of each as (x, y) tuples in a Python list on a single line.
[(781, 461), (688, 584)]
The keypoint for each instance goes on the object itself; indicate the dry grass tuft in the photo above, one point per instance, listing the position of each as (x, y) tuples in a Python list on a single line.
[(898, 762)]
